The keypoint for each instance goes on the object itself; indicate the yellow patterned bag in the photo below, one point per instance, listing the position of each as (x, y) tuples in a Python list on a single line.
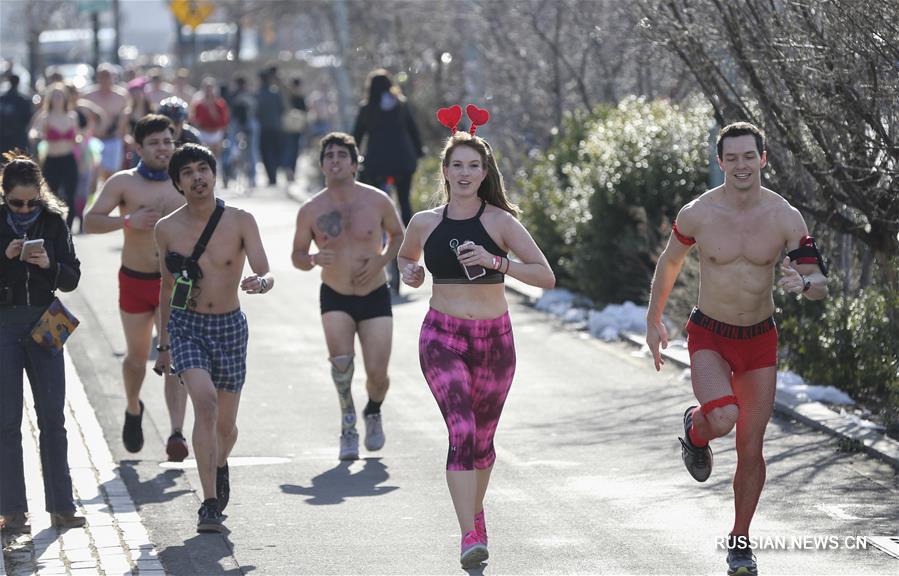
[(54, 326)]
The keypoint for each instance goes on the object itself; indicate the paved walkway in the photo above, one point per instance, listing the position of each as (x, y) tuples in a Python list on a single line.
[(114, 542)]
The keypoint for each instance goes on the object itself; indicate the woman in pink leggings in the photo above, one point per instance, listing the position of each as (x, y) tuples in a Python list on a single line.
[(466, 348)]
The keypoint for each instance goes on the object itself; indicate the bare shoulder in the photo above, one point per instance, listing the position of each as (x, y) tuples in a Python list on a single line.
[(692, 214), (499, 219), (427, 216), (496, 213), (789, 217), (424, 219), (121, 181), (239, 214), (311, 205), (369, 193), (164, 224), (777, 202)]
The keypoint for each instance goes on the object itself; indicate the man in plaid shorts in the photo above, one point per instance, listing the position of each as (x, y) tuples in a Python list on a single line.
[(206, 342)]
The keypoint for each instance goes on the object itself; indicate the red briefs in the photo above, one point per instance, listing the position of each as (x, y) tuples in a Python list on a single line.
[(743, 347), (138, 291)]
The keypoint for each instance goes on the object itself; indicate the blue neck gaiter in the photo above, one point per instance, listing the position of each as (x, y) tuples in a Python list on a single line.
[(149, 174), (21, 223)]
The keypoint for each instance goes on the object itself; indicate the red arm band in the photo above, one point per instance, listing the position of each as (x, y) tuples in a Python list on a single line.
[(809, 242), (682, 238)]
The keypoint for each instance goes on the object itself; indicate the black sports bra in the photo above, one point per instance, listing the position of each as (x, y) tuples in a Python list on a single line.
[(440, 250)]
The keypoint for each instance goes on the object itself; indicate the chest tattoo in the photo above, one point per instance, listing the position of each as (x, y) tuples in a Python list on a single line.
[(330, 223)]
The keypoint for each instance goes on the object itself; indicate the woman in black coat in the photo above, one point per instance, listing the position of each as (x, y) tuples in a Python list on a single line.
[(28, 211), (394, 145)]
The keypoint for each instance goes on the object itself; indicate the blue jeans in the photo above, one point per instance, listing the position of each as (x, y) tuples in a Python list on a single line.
[(251, 132), (46, 373)]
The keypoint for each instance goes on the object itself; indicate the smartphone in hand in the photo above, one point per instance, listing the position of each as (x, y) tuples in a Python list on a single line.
[(31, 247), (471, 272)]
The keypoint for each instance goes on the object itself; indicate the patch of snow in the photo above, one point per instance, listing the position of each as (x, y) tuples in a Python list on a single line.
[(616, 318), (558, 299), (861, 422), (794, 384), (575, 315)]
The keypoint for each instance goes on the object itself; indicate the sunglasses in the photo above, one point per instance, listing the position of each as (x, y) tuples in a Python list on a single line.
[(16, 203)]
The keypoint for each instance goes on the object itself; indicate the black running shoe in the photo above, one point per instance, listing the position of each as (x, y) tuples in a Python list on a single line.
[(132, 432), (740, 559), (222, 486), (209, 517), (697, 460)]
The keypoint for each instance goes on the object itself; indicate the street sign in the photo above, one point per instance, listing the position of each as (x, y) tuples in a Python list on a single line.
[(192, 12), (93, 5)]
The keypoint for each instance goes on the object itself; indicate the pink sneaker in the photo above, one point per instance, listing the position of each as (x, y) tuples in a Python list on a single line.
[(474, 552), (480, 526)]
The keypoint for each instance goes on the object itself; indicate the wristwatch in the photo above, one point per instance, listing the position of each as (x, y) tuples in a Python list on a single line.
[(163, 348), (806, 284)]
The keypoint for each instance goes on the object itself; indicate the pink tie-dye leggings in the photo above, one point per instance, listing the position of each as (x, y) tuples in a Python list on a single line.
[(469, 365)]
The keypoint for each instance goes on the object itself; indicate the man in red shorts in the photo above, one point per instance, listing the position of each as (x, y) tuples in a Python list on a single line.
[(143, 195), (742, 230)]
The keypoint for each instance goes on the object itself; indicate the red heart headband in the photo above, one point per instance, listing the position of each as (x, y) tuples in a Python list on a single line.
[(450, 117)]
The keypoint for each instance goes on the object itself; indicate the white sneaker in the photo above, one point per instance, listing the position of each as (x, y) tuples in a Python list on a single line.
[(349, 445), (374, 432)]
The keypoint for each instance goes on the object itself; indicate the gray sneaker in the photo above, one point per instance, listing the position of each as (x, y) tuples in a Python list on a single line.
[(741, 562), (374, 432), (349, 445), (697, 460)]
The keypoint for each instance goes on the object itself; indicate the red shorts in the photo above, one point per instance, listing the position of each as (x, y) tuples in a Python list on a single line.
[(138, 291), (743, 347)]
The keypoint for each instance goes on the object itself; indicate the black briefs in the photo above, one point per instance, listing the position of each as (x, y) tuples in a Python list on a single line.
[(373, 305)]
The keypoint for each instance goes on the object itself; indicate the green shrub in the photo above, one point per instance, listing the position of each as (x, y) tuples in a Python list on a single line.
[(847, 342), (551, 209), (637, 166), (600, 200), (427, 185)]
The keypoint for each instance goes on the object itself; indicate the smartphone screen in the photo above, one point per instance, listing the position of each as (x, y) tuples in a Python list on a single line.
[(30, 247)]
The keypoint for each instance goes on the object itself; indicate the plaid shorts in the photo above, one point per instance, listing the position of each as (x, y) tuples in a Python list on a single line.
[(216, 343)]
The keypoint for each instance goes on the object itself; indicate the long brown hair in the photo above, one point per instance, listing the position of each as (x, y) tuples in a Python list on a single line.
[(48, 97), (18, 169), (492, 190)]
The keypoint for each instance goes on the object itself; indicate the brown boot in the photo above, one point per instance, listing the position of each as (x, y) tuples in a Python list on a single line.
[(66, 520), (15, 523)]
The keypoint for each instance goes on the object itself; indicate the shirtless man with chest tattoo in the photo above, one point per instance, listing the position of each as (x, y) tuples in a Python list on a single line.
[(348, 222), (142, 195), (742, 230), (206, 340)]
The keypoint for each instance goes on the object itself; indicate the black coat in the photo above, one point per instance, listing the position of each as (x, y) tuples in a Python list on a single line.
[(15, 116), (394, 145), (26, 284)]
